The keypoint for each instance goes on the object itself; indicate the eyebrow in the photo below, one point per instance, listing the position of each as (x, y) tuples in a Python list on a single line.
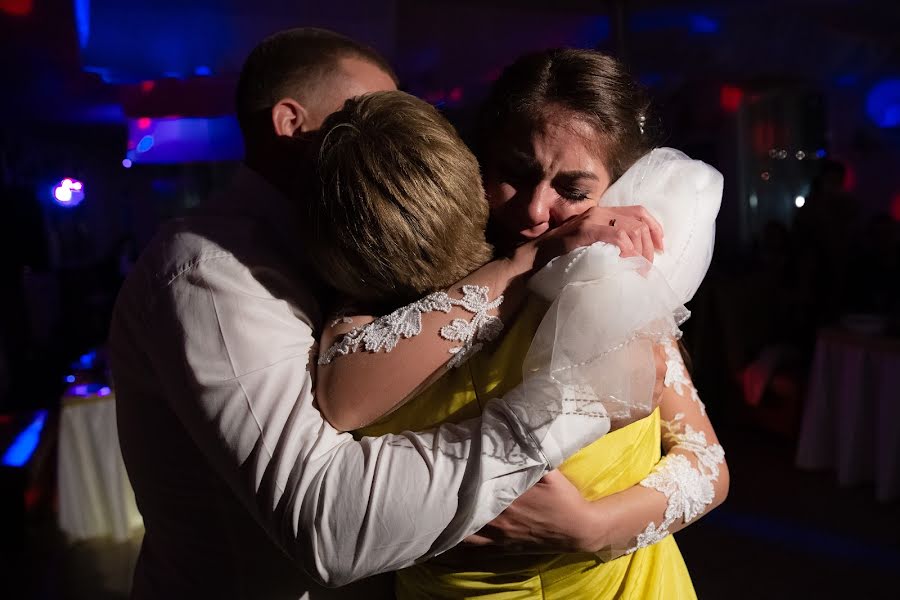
[(528, 163), (523, 160), (572, 175)]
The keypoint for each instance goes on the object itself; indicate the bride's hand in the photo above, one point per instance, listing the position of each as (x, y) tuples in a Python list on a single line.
[(631, 228)]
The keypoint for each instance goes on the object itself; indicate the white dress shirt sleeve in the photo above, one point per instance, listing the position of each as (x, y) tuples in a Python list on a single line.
[(232, 350)]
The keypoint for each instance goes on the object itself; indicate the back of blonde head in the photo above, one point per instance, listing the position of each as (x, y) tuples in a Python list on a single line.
[(400, 209)]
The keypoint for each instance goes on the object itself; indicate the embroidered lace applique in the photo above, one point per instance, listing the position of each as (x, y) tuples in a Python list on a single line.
[(677, 375), (385, 332), (688, 489), (341, 320), (483, 327), (688, 492), (681, 435)]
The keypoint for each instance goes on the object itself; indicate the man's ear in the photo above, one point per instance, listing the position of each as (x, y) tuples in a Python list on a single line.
[(290, 117)]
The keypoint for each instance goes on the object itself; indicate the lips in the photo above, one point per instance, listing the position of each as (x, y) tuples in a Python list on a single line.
[(534, 232)]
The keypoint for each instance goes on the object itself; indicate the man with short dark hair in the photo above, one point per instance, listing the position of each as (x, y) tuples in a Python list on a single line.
[(296, 78), (246, 491)]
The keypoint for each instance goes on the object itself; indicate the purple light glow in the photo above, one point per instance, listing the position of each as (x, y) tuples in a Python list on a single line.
[(86, 390), (68, 192), (184, 139)]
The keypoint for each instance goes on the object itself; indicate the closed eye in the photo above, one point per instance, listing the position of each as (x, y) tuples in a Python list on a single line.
[(574, 186), (574, 195)]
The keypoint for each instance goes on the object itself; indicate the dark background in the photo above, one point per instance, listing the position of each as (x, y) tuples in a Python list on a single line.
[(134, 100)]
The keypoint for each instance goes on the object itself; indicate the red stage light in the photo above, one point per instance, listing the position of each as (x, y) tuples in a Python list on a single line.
[(16, 8), (849, 178), (147, 86), (32, 497), (143, 123), (730, 98), (895, 207), (763, 137)]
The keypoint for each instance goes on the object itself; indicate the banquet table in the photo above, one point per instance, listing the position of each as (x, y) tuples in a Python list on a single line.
[(851, 419), (95, 497)]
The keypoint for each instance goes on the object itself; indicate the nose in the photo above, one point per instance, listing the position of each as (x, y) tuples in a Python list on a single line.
[(537, 211)]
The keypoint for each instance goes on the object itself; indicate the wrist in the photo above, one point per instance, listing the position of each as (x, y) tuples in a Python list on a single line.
[(510, 275), (522, 263), (595, 530)]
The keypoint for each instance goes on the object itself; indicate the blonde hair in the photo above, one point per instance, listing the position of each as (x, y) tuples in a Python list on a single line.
[(400, 209)]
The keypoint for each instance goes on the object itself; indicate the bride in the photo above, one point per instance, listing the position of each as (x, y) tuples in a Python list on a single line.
[(401, 214)]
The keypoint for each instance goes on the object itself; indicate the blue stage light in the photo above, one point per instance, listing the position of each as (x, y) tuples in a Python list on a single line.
[(883, 103), (703, 24), (19, 453), (83, 21), (145, 144)]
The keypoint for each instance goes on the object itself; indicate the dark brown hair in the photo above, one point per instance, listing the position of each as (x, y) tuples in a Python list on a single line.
[(287, 64), (590, 85), (400, 210)]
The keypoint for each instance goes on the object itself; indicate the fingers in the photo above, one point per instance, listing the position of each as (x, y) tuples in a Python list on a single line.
[(477, 539), (656, 230), (647, 244), (621, 238), (631, 228), (637, 240)]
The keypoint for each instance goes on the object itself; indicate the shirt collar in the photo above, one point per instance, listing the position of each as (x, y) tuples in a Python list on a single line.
[(253, 197)]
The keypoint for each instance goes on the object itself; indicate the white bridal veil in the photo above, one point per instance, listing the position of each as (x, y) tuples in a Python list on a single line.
[(593, 351)]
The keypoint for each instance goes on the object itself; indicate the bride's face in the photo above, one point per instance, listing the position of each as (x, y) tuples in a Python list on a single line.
[(537, 179)]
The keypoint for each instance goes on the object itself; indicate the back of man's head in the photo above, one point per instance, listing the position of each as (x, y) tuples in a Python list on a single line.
[(307, 68)]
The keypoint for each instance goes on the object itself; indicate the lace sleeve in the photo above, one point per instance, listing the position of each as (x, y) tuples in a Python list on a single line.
[(689, 472), (384, 333), (375, 367), (689, 488), (689, 481)]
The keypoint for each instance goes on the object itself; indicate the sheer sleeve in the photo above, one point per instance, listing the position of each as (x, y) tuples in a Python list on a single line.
[(689, 481), (448, 329)]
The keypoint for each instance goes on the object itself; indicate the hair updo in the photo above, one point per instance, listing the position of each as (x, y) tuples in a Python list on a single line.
[(592, 86)]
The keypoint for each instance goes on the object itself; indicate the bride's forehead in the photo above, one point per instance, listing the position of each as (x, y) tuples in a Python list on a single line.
[(554, 138)]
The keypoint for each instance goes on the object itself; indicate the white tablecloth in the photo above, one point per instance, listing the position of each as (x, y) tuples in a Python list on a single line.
[(95, 496), (851, 421)]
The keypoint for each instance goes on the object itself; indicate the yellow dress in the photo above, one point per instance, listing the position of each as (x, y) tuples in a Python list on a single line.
[(613, 463)]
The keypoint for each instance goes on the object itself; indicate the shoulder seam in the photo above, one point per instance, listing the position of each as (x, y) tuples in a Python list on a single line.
[(181, 270)]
